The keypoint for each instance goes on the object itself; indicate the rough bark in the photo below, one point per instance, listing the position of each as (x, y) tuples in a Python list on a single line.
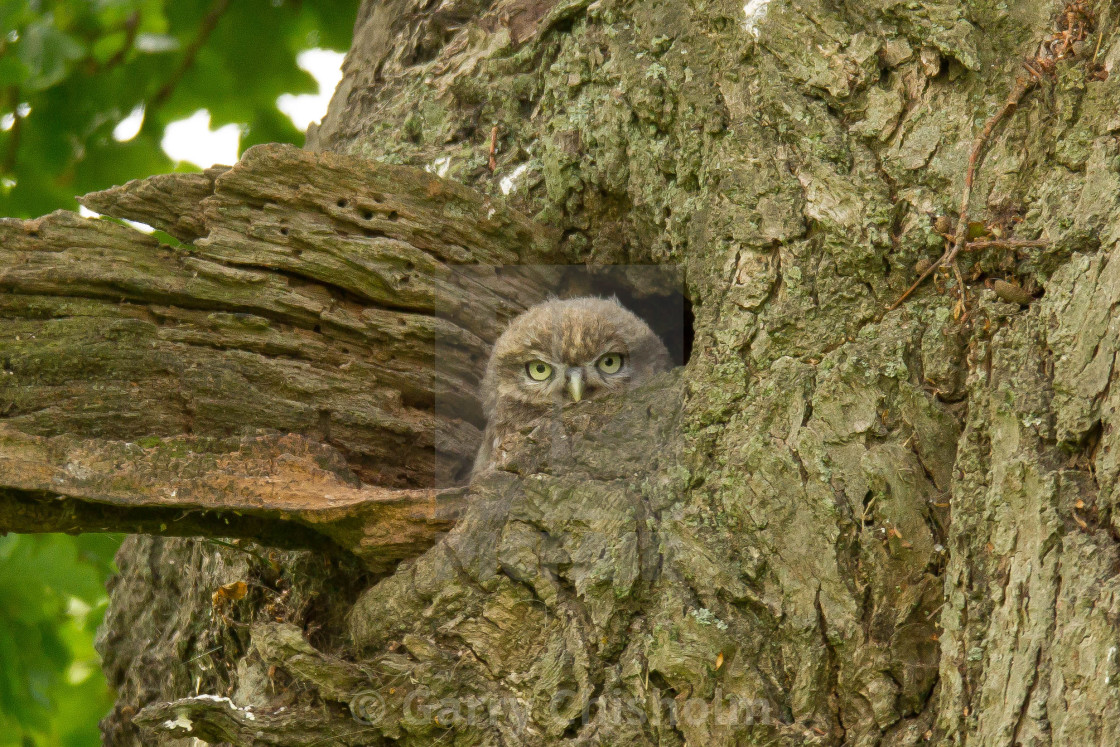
[(859, 526), (282, 491)]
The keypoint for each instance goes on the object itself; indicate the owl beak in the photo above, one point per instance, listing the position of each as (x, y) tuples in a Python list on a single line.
[(575, 384)]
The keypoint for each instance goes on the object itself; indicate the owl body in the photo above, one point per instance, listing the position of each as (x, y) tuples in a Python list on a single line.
[(558, 353)]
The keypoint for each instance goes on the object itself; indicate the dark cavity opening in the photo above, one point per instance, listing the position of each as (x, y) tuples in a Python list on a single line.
[(652, 292)]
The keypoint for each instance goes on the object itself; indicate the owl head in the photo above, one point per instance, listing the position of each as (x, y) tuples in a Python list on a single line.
[(564, 351)]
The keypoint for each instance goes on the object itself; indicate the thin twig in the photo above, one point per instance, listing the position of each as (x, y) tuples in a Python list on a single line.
[(921, 279), (209, 22), (1077, 20), (960, 290), (205, 653), (1023, 84), (1005, 244), (131, 26), (230, 545)]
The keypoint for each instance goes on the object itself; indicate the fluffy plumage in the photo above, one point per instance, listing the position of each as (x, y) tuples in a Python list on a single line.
[(560, 352)]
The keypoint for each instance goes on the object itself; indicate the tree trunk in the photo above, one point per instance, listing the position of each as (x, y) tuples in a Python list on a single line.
[(846, 520)]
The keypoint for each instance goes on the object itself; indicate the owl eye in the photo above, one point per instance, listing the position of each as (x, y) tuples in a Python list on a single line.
[(610, 363), (538, 370)]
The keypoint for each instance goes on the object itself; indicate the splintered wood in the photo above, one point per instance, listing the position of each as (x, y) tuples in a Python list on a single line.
[(293, 293)]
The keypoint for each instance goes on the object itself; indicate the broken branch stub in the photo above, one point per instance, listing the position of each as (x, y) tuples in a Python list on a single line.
[(301, 301)]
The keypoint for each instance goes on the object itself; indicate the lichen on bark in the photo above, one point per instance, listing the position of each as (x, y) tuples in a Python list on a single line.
[(870, 527)]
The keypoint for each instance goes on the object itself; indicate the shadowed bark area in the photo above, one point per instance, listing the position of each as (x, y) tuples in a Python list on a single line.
[(853, 525)]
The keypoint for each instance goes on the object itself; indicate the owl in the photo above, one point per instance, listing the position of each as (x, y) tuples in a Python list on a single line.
[(559, 353)]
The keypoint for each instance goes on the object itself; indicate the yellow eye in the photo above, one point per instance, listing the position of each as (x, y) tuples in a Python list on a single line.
[(610, 363), (538, 370)]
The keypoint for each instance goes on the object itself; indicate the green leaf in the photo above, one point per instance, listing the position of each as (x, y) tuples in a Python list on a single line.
[(67, 65), (14, 14), (48, 54), (13, 71), (51, 687)]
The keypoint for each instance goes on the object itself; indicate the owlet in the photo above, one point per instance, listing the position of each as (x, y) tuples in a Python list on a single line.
[(561, 352)]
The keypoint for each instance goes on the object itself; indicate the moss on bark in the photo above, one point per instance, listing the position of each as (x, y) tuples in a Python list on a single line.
[(865, 527)]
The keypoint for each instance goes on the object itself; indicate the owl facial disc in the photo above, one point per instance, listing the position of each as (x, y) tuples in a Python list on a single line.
[(560, 351)]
